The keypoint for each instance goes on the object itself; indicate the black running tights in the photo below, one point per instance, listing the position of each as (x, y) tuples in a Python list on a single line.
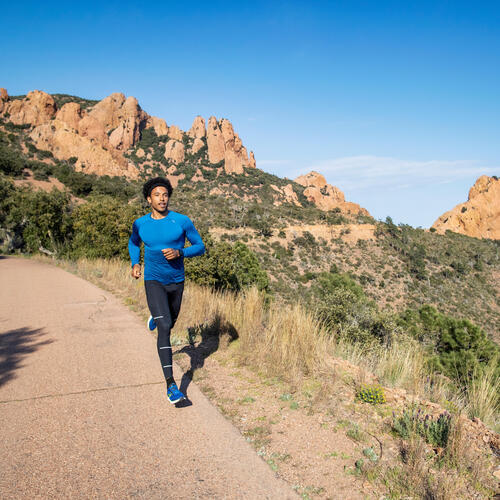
[(164, 302)]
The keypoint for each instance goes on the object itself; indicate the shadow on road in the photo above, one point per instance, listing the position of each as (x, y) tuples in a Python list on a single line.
[(15, 345), (211, 335)]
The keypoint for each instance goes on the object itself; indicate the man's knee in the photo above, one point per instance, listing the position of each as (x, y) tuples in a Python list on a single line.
[(163, 323)]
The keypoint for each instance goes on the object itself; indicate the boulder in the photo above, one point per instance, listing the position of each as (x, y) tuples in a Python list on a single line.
[(174, 151), (126, 134)]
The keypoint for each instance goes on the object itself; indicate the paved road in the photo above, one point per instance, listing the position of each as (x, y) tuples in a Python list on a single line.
[(83, 410)]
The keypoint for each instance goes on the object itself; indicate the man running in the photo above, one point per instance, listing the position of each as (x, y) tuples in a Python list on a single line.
[(163, 233)]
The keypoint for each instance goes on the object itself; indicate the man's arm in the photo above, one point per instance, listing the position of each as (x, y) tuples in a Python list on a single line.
[(197, 246), (134, 250)]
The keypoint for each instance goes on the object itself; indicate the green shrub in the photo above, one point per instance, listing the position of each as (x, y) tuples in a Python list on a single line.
[(435, 431), (226, 267), (373, 394), (39, 220), (457, 347), (10, 162), (102, 227)]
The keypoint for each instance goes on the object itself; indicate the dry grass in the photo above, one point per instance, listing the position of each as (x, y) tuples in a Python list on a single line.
[(484, 396), (458, 471), (287, 341), (279, 339)]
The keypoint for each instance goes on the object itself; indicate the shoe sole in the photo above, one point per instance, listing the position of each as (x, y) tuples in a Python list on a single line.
[(177, 400)]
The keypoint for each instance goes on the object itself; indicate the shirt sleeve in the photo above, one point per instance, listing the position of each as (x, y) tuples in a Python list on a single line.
[(134, 245), (197, 247)]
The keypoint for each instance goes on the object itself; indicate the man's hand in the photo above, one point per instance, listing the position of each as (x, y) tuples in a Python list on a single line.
[(171, 253), (136, 271)]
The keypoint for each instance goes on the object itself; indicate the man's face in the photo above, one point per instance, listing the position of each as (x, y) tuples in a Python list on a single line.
[(158, 199)]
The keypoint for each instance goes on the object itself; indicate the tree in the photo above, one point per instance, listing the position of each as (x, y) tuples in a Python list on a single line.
[(103, 226)]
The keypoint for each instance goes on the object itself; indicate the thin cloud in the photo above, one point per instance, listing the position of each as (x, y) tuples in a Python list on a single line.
[(362, 172)]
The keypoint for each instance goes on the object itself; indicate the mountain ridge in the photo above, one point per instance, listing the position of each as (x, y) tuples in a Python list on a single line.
[(106, 138)]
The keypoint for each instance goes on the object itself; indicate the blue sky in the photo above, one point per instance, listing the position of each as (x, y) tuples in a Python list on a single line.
[(396, 103)]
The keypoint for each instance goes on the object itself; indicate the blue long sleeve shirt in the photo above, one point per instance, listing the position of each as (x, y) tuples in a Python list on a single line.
[(158, 234)]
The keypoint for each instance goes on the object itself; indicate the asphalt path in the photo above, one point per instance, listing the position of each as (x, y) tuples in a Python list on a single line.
[(83, 408)]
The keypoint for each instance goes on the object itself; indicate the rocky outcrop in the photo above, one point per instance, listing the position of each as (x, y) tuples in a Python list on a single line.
[(197, 130), (215, 141), (224, 144), (90, 127), (286, 194), (174, 151), (325, 196), (112, 126), (175, 133), (64, 142), (291, 195), (36, 108), (479, 216), (71, 114), (197, 145), (4, 97), (252, 163), (158, 124)]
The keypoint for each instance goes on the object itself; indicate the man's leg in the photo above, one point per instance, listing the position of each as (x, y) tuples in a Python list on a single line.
[(175, 291), (158, 302)]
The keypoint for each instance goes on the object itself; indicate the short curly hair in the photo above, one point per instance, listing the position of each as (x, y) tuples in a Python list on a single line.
[(157, 181)]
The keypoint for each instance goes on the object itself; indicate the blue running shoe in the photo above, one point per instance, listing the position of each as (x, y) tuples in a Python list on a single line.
[(151, 323), (174, 395)]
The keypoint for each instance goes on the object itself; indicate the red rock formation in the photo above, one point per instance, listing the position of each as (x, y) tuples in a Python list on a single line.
[(174, 151), (197, 130), (325, 196), (158, 124), (36, 108), (71, 114), (479, 216), (215, 141), (224, 144), (175, 133), (113, 126)]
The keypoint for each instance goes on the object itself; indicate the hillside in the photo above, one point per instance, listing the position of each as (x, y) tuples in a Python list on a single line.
[(298, 229)]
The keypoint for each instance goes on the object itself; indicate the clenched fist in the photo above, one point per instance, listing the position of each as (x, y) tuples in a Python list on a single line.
[(136, 271), (171, 253)]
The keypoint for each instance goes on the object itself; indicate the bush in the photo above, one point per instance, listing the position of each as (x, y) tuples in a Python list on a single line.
[(226, 267), (458, 347), (435, 431), (10, 162), (102, 227), (344, 308), (40, 221)]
